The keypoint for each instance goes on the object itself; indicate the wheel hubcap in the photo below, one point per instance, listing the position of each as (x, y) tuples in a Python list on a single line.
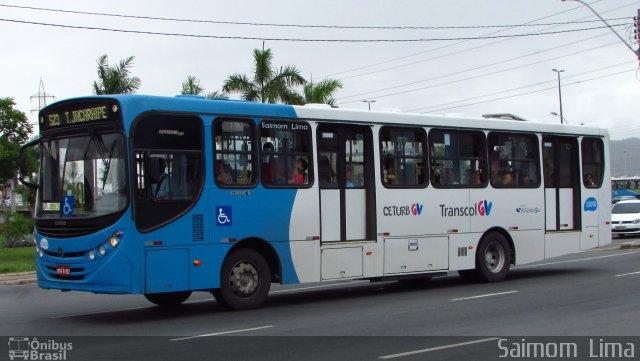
[(244, 279), (494, 257)]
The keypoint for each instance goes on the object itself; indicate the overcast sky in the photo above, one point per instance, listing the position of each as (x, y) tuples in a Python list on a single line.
[(472, 77)]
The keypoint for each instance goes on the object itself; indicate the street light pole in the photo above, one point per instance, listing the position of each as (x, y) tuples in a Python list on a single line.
[(625, 163), (562, 119), (369, 102), (559, 93)]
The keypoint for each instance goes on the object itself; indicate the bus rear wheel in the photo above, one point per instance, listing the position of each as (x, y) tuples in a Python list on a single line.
[(493, 260), (168, 299), (245, 280)]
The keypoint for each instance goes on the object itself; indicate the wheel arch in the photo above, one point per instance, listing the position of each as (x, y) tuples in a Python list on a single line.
[(506, 235), (265, 249)]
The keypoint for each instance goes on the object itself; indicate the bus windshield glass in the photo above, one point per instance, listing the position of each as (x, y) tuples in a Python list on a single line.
[(83, 176)]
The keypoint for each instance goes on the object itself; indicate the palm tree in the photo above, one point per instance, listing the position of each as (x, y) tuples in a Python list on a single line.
[(322, 92), (269, 85), (191, 86), (115, 79)]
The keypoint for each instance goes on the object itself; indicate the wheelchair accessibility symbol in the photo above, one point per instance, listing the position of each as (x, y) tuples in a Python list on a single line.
[(67, 206), (223, 216)]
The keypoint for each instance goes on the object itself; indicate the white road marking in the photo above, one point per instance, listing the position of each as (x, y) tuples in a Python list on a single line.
[(409, 353), (628, 274), (482, 296), (222, 333), (321, 286), (575, 260)]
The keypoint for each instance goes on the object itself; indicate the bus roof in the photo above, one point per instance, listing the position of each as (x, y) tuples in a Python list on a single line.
[(134, 105)]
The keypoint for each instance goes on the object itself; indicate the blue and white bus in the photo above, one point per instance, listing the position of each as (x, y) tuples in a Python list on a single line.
[(164, 196)]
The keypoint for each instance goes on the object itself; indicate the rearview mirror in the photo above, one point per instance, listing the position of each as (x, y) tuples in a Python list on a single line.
[(22, 163)]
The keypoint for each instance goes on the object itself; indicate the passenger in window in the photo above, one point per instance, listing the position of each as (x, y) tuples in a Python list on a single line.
[(448, 178), (478, 177), (162, 190), (300, 176), (506, 178), (390, 175), (269, 164), (588, 180), (325, 172), (349, 178), (525, 180), (223, 176)]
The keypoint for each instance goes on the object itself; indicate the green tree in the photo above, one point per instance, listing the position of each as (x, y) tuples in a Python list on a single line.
[(191, 86), (321, 92), (115, 79), (268, 84), (15, 229), (14, 131)]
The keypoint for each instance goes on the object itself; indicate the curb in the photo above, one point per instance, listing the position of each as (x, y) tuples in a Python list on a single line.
[(632, 244), (15, 279)]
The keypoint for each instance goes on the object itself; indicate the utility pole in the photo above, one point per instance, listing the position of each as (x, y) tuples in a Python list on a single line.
[(636, 52)]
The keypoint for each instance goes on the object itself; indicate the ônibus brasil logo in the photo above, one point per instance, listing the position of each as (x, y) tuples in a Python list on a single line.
[(482, 208)]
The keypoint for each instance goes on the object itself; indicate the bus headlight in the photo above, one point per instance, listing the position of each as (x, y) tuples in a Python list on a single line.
[(40, 253), (102, 250), (636, 221), (113, 242), (92, 255)]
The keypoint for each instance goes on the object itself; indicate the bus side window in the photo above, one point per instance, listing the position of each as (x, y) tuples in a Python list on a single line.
[(403, 156), (514, 160), (592, 162), (458, 158), (234, 153), (285, 160)]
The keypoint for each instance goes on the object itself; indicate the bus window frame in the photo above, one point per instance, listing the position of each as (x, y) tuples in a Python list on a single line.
[(254, 153), (536, 161), (602, 163), (133, 151), (425, 157), (484, 157), (309, 154)]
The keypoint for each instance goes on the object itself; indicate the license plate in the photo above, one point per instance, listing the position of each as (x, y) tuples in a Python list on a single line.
[(63, 270), (620, 228)]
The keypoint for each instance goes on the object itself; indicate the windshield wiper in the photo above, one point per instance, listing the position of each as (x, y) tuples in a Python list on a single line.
[(105, 155)]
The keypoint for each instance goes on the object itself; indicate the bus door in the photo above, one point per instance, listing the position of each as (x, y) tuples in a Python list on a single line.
[(561, 183), (347, 189)]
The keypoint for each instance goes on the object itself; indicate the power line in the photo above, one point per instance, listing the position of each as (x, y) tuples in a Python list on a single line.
[(482, 67), (482, 75), (301, 39), (459, 51), (518, 88), (521, 87), (220, 22)]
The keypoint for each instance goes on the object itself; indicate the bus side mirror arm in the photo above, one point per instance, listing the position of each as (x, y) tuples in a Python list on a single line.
[(22, 162)]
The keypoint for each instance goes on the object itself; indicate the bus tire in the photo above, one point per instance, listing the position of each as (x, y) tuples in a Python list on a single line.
[(493, 258), (168, 299), (245, 280)]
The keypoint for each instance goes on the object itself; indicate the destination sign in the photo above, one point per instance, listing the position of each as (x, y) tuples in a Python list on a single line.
[(79, 113)]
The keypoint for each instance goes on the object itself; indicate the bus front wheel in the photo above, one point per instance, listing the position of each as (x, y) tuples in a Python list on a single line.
[(169, 299), (245, 280)]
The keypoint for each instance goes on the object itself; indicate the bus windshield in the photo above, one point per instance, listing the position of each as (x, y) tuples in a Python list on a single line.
[(82, 176)]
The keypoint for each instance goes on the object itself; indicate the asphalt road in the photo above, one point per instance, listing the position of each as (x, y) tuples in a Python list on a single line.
[(594, 293)]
